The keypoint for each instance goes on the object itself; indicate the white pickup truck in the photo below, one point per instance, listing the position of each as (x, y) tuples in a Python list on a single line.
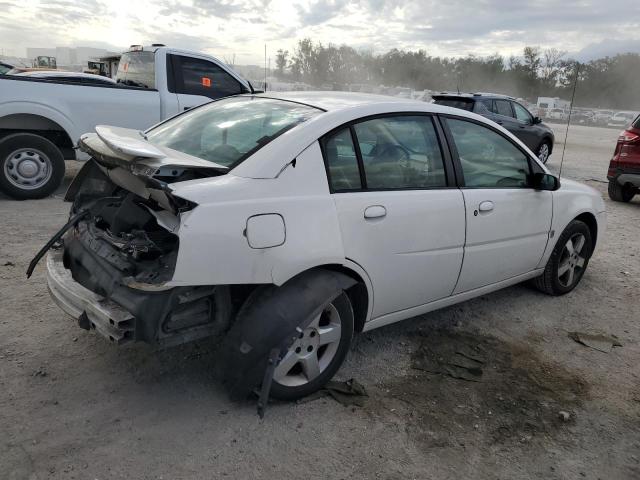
[(42, 120)]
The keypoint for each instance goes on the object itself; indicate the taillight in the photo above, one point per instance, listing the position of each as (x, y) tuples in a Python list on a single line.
[(628, 137)]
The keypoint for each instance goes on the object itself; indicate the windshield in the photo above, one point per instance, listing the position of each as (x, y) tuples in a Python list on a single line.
[(137, 69), (228, 131)]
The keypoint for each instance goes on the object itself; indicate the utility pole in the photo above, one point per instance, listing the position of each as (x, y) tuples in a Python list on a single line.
[(265, 68)]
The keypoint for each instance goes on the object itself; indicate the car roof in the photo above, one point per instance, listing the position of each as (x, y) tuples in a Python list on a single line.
[(339, 109), (473, 96), (333, 101)]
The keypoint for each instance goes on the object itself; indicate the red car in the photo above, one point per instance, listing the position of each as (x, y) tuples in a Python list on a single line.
[(624, 168)]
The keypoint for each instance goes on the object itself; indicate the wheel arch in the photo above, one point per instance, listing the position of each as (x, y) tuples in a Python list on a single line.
[(548, 139), (44, 122), (590, 220), (360, 295)]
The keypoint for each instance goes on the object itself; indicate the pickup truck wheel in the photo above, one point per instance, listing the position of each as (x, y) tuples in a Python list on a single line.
[(30, 166), (317, 354), (620, 193), (568, 261), (544, 151)]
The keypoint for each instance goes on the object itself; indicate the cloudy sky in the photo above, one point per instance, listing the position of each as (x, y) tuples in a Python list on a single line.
[(586, 28)]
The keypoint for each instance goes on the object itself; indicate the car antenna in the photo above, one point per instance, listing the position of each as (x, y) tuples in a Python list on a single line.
[(566, 133)]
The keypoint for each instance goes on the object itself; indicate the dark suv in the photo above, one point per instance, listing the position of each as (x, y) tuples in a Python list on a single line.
[(507, 112)]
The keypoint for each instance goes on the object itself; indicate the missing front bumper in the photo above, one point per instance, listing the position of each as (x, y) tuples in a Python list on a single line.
[(90, 309), (163, 318)]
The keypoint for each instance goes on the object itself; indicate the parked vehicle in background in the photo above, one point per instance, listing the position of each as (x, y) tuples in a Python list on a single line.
[(222, 225), (556, 114), (621, 119), (624, 168), (69, 77), (507, 112), (582, 117), (44, 61), (4, 68), (41, 119), (602, 117), (545, 104)]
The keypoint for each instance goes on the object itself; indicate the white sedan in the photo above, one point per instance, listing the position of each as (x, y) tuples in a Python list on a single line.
[(283, 223)]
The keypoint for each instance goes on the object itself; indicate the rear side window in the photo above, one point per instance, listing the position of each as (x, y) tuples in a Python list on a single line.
[(342, 161), (391, 153), (636, 123), (137, 69), (195, 76), (400, 152)]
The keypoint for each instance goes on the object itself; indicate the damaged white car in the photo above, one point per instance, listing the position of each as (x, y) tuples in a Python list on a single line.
[(281, 224)]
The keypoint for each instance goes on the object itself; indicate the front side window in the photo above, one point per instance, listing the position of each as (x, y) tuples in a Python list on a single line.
[(194, 76), (488, 159), (137, 69), (522, 113), (231, 129)]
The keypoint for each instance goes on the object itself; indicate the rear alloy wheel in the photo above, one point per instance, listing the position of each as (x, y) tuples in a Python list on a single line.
[(544, 150), (317, 353), (621, 193), (568, 261), (30, 166)]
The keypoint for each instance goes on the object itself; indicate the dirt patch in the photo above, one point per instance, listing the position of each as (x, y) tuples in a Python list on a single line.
[(464, 384)]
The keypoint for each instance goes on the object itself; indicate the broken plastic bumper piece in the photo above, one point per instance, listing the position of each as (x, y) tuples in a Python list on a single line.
[(92, 311)]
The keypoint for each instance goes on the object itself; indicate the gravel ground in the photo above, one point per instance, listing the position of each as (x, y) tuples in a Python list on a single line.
[(74, 406)]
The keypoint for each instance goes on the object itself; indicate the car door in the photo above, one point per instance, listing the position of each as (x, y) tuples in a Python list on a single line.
[(529, 133), (197, 80), (508, 222), (400, 214)]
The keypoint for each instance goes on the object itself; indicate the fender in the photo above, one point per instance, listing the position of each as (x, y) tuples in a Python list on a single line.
[(42, 110), (268, 319)]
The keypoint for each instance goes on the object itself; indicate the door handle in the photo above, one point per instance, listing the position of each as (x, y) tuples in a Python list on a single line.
[(187, 108), (375, 211), (499, 122), (485, 206)]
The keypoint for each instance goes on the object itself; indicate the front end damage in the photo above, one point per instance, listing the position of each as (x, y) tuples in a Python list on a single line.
[(112, 267)]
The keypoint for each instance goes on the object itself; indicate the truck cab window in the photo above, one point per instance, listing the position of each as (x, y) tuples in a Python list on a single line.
[(194, 76)]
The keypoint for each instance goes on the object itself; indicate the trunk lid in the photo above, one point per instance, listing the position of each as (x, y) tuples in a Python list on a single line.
[(128, 148), (145, 169)]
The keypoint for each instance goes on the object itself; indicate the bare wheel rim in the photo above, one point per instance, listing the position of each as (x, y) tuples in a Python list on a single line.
[(543, 153), (313, 350), (572, 260), (27, 168)]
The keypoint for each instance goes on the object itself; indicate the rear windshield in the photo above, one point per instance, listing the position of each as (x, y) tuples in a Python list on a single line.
[(137, 69), (229, 130), (462, 103)]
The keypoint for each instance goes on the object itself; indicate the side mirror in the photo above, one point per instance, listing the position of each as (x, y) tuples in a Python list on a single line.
[(537, 120), (546, 181)]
